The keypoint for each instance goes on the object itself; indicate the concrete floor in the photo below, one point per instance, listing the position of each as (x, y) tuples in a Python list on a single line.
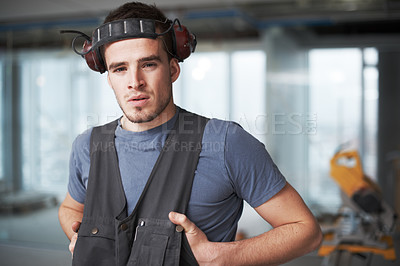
[(33, 238), (36, 239)]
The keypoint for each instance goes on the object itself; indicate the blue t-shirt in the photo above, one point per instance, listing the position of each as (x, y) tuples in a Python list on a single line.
[(233, 166)]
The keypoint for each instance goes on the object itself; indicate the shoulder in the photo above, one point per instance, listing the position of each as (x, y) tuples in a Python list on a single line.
[(81, 144), (219, 128), (232, 134), (83, 139)]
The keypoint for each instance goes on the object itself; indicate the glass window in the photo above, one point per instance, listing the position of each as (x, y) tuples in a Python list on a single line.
[(217, 84), (203, 86), (335, 96), (45, 107), (371, 97), (370, 56), (249, 92)]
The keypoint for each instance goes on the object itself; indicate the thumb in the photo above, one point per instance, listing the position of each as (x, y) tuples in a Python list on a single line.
[(181, 219), (75, 226), (197, 239)]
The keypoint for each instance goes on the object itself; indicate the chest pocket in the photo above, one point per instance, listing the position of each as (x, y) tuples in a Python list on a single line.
[(156, 243)]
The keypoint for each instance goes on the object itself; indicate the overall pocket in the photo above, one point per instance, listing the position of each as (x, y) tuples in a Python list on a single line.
[(95, 245), (156, 243)]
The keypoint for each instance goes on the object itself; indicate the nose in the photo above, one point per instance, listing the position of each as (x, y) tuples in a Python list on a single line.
[(136, 80)]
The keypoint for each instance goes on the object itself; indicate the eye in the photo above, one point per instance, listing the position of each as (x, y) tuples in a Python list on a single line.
[(119, 69), (149, 65)]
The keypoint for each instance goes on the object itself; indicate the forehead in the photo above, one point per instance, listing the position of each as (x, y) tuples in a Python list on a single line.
[(133, 48)]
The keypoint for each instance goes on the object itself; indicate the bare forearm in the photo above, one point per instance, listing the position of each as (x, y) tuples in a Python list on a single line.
[(296, 232), (69, 213), (274, 247), (67, 217)]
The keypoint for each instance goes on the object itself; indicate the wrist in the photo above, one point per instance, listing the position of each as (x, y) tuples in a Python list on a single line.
[(223, 253)]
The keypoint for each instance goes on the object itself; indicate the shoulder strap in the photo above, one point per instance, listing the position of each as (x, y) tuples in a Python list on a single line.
[(104, 173), (170, 182)]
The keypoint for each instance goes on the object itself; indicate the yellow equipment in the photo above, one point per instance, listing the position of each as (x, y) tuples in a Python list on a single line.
[(366, 222)]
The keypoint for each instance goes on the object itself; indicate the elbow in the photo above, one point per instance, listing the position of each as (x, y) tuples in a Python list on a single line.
[(316, 237), (312, 237)]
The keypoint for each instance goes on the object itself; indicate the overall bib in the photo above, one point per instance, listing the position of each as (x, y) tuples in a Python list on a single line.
[(107, 236)]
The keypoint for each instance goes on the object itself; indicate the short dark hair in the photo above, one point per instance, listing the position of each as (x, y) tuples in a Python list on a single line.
[(141, 10)]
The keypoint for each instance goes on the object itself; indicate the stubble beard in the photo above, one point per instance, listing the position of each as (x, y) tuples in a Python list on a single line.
[(140, 115)]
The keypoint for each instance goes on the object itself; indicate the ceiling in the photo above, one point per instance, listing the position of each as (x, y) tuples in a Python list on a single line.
[(34, 23)]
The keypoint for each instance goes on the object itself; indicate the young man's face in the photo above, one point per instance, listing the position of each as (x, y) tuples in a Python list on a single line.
[(141, 76)]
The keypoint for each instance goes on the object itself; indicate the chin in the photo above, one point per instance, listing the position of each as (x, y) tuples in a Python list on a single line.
[(141, 118)]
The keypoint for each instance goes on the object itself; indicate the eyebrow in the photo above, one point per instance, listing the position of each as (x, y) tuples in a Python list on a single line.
[(149, 58), (141, 60), (116, 65)]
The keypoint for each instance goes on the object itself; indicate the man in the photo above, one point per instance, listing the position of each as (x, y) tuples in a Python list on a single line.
[(232, 166)]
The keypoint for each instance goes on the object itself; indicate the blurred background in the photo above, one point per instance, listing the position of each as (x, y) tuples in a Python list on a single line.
[(305, 77)]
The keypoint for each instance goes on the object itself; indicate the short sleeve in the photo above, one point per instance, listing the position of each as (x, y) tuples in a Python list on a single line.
[(254, 175), (79, 164)]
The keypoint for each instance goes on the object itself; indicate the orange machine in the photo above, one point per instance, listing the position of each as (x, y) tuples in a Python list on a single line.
[(366, 222)]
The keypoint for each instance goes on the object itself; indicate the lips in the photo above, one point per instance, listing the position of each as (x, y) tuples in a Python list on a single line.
[(139, 100)]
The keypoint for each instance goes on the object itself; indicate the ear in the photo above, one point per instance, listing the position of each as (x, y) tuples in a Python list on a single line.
[(174, 69)]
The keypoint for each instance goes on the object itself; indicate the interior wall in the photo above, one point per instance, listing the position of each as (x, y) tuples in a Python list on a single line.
[(389, 123)]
